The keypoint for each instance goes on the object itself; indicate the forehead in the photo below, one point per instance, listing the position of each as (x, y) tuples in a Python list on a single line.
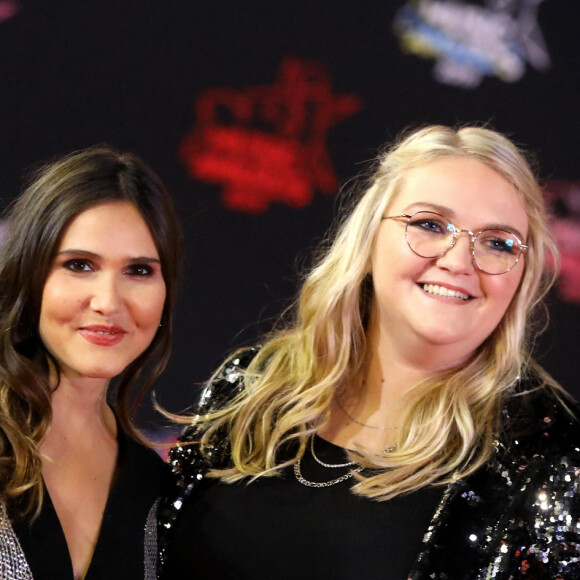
[(113, 226), (465, 190)]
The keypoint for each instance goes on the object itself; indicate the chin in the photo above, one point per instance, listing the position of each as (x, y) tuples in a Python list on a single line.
[(438, 334), (101, 373), (459, 342)]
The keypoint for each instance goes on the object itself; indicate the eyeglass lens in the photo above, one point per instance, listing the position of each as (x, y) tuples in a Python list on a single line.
[(430, 235)]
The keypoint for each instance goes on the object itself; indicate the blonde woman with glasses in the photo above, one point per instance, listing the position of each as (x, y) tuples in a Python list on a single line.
[(398, 427)]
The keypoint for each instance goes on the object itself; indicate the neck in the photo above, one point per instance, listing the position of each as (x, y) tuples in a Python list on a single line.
[(81, 403), (377, 399)]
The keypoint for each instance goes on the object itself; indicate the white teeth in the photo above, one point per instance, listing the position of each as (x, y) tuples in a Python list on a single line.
[(103, 332), (442, 291)]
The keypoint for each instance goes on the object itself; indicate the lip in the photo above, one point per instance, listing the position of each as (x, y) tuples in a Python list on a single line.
[(452, 287), (103, 335)]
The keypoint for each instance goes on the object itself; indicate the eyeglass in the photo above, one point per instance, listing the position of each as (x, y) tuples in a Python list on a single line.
[(431, 235)]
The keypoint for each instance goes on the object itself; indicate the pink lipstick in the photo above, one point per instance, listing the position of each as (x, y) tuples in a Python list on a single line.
[(103, 335)]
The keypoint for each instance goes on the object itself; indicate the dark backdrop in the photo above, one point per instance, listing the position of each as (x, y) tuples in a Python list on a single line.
[(255, 113)]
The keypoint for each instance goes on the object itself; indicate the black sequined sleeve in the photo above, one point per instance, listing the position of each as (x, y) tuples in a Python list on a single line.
[(518, 518), (541, 538), (188, 464)]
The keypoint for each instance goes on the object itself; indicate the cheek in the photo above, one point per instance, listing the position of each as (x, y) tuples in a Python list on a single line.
[(503, 291), (391, 256), (51, 294), (59, 301), (148, 307), (398, 266)]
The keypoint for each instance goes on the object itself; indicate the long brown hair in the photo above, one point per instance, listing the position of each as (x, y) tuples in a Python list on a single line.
[(58, 192)]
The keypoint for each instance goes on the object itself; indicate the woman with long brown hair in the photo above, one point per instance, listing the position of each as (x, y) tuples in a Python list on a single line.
[(87, 285)]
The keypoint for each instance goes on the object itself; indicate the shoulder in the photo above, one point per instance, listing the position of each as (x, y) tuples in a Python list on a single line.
[(141, 473), (540, 475), (134, 453), (188, 464), (186, 460), (132, 450), (522, 508), (227, 382), (541, 420)]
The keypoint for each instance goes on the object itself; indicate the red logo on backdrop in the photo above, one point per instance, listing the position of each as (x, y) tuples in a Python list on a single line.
[(564, 197), (268, 143)]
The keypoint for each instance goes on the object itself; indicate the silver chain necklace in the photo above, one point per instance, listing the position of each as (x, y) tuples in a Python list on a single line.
[(327, 464), (301, 479), (307, 483)]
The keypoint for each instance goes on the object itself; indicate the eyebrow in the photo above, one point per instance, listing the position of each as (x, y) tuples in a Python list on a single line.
[(449, 213), (95, 256)]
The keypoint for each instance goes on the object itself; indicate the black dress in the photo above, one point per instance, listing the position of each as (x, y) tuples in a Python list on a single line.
[(119, 553), (280, 528)]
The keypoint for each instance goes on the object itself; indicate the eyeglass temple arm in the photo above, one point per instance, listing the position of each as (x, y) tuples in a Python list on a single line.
[(405, 216)]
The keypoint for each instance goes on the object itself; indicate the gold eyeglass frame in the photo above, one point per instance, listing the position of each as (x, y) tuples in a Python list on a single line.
[(456, 231)]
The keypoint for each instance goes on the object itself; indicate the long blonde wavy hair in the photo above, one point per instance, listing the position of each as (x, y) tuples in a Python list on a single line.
[(453, 418)]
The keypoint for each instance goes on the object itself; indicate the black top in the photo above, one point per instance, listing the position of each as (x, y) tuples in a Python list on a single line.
[(515, 518), (279, 528), (119, 553)]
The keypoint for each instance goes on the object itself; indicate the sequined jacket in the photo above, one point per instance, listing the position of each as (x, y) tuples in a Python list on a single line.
[(518, 517)]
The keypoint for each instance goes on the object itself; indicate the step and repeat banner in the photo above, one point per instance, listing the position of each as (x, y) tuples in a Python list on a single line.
[(259, 114)]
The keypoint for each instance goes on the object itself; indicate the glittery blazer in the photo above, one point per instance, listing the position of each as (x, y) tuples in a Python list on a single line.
[(518, 517)]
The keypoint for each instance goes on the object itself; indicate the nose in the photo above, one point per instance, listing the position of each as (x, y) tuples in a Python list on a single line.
[(106, 296), (458, 259)]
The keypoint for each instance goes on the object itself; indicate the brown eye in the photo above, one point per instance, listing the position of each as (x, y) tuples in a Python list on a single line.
[(78, 265), (140, 270)]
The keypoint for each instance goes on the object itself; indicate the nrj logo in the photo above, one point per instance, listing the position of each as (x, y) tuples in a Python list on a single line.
[(8, 8), (268, 143), (471, 41)]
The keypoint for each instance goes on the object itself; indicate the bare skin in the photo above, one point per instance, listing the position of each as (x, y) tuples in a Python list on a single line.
[(379, 398), (79, 457)]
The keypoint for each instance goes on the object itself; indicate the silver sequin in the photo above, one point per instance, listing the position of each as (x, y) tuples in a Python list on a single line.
[(13, 564), (150, 558)]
